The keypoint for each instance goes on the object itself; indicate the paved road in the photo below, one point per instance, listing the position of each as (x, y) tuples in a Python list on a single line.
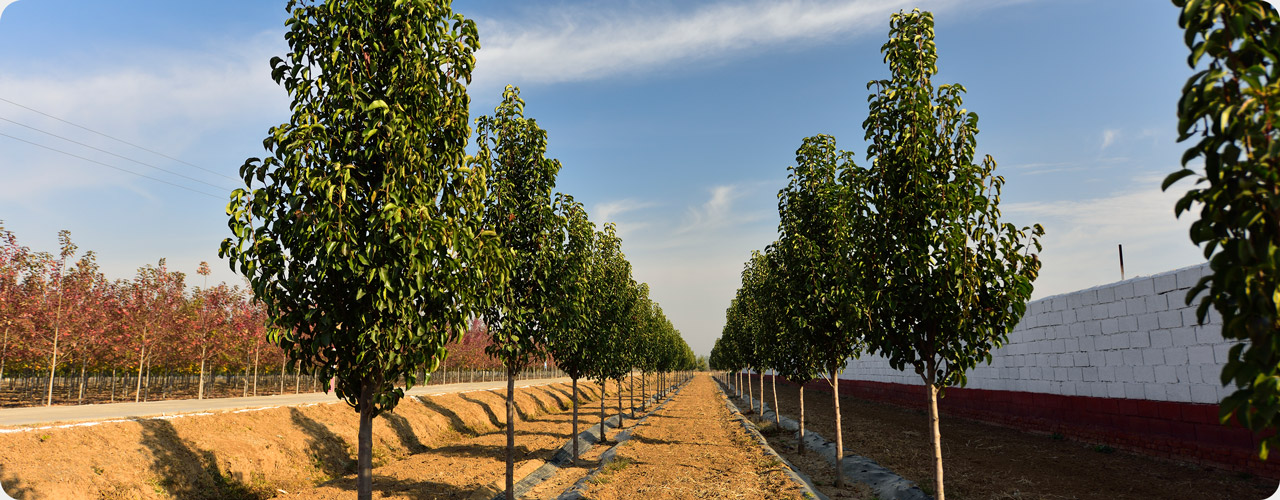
[(92, 413)]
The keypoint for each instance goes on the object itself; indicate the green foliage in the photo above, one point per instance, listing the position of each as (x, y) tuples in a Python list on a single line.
[(569, 331), (612, 296), (1231, 106), (951, 280), (513, 149), (826, 311), (361, 231)]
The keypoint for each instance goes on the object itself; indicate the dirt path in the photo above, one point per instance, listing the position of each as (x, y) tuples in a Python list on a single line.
[(987, 461), (690, 449)]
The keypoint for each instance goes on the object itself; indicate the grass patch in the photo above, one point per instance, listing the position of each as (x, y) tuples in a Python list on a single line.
[(616, 465)]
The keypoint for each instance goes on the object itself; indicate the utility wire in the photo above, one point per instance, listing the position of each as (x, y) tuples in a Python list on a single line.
[(122, 141), (73, 155), (145, 164)]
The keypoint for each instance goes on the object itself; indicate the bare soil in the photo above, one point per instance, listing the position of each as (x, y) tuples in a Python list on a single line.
[(690, 449), (434, 447), (984, 461)]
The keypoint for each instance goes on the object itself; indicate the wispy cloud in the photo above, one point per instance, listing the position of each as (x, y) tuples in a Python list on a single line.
[(1081, 236), (1109, 137), (5, 4), (580, 44)]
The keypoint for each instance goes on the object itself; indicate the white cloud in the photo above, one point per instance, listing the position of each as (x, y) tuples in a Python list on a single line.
[(1081, 236), (1109, 137), (580, 44), (5, 4)]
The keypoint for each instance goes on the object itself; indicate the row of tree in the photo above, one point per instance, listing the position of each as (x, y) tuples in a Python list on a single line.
[(372, 237), (906, 258)]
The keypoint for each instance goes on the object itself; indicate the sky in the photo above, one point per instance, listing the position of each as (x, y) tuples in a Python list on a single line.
[(676, 120)]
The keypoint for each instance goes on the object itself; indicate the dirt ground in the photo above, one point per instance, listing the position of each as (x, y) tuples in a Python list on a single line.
[(438, 447), (690, 449), (983, 461)]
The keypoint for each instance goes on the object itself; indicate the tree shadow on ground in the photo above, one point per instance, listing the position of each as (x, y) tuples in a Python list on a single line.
[(186, 472), (329, 453), (389, 487), (455, 422), (493, 417), (14, 487), (404, 431)]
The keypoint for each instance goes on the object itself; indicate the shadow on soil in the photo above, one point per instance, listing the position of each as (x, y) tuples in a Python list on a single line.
[(384, 487), (13, 486), (455, 422), (493, 417), (328, 452), (186, 472), (404, 431)]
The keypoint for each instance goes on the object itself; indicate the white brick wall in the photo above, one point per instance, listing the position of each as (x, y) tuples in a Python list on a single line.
[(1133, 339)]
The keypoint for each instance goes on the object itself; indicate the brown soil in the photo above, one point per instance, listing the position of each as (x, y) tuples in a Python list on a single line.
[(437, 447), (690, 449), (987, 461)]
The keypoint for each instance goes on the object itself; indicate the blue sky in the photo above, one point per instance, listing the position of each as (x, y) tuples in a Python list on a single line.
[(674, 119)]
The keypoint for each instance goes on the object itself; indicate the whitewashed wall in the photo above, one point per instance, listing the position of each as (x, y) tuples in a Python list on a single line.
[(1133, 339)]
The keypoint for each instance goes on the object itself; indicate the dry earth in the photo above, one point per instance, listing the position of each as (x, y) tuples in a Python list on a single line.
[(690, 449), (983, 461), (434, 447)]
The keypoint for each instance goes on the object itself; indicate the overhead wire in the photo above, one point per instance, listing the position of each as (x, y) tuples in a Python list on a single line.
[(95, 148), (117, 139), (73, 155)]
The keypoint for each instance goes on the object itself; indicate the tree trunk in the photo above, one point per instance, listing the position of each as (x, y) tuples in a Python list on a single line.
[(835, 396), (633, 394), (774, 381), (604, 388), (4, 352), (256, 349), (297, 378), (113, 385), (284, 363), (935, 439), (644, 394), (203, 350), (146, 387), (511, 434), (751, 399), (80, 397), (142, 356), (574, 459), (800, 442), (364, 454)]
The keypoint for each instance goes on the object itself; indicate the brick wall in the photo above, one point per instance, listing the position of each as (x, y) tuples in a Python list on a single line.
[(1124, 364), (1135, 339)]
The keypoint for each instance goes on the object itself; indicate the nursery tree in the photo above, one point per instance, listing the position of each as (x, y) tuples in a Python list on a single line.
[(360, 232), (569, 334), (1230, 106), (827, 310), (952, 280), (513, 149)]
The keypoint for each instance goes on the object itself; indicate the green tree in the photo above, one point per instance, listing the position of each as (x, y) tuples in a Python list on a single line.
[(612, 291), (1232, 105), (361, 231), (513, 149), (826, 310), (951, 279), (569, 334)]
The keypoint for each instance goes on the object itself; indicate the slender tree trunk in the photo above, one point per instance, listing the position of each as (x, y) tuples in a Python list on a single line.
[(80, 397), (575, 422), (57, 329), (297, 378), (255, 369), (4, 352), (800, 443), (113, 385), (774, 381), (633, 393), (835, 396), (146, 387), (751, 399), (935, 437), (203, 350), (511, 434), (604, 388), (620, 417), (644, 394), (284, 363), (142, 356), (364, 454), (762, 395)]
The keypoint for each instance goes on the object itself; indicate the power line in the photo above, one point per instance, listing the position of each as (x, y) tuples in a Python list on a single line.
[(122, 141), (73, 155), (145, 164)]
